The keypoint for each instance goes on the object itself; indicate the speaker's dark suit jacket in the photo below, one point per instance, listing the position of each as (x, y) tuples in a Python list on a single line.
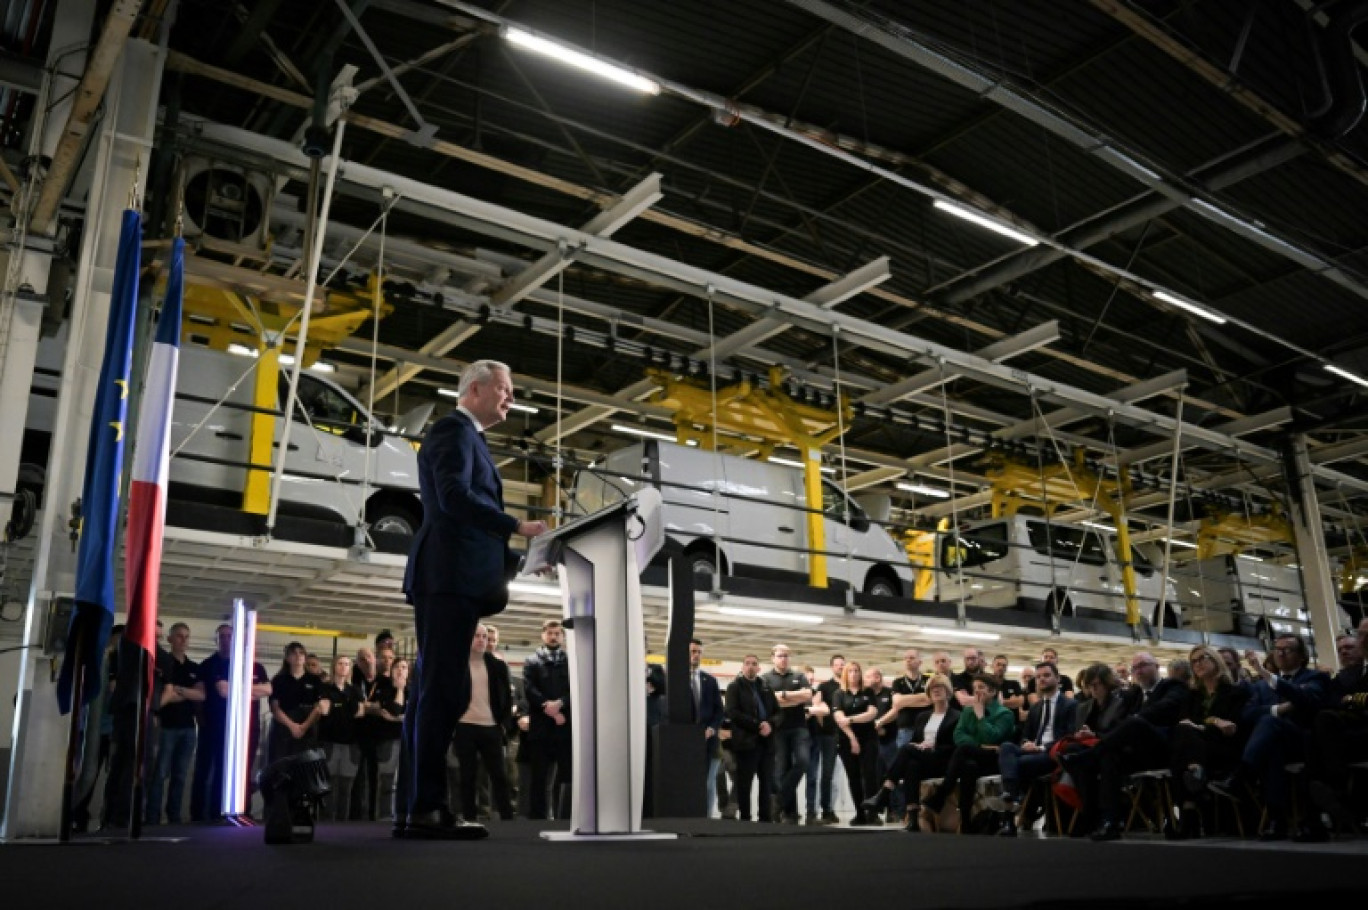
[(458, 571)]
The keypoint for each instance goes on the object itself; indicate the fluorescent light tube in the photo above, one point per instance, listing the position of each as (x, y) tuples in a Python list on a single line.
[(771, 614), (581, 60), (1352, 377), (997, 227), (1099, 526), (923, 490), (1188, 305), (241, 350), (531, 587), (1248, 557), (775, 459), (525, 408), (965, 634), (1183, 543), (649, 434), (449, 393)]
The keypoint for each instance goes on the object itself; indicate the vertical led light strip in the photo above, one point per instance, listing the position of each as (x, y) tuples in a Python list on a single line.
[(232, 752), (249, 717)]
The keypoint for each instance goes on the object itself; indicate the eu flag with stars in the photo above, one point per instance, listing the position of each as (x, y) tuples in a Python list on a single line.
[(94, 613)]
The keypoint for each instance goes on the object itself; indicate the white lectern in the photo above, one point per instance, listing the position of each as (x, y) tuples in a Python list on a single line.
[(601, 557)]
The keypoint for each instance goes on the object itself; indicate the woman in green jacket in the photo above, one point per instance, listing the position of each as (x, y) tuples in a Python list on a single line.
[(984, 725)]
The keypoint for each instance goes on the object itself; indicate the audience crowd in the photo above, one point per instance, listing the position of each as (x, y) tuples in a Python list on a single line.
[(1218, 737)]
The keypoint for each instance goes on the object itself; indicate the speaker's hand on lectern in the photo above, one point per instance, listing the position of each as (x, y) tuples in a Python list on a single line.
[(530, 529)]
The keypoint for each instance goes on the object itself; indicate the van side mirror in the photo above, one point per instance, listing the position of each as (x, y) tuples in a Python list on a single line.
[(359, 436)]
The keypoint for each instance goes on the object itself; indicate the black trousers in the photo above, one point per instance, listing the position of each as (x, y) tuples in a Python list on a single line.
[(1341, 738), (551, 750), (913, 765), (967, 764), (1135, 745), (862, 771), (1206, 746), (759, 760), (478, 746), (440, 692)]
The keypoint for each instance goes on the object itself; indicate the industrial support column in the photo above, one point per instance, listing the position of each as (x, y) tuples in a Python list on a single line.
[(1321, 595), (33, 806)]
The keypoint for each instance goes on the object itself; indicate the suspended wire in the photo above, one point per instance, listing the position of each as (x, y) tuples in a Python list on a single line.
[(557, 456), (1173, 496), (840, 424), (376, 297), (954, 508), (717, 458)]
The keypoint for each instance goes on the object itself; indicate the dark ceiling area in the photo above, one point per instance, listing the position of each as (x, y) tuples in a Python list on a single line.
[(1212, 149)]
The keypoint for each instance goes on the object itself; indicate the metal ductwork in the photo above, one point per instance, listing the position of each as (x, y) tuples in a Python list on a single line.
[(1341, 75)]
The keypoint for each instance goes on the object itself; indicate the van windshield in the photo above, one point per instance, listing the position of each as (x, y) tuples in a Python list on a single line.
[(322, 403), (976, 547), (1067, 542)]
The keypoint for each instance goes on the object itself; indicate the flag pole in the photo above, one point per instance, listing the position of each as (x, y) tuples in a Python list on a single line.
[(142, 714), (75, 734)]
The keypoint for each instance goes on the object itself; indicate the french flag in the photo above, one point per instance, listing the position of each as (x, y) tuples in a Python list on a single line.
[(147, 490)]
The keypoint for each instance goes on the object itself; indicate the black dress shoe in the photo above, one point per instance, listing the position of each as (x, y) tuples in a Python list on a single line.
[(878, 802), (1311, 834), (1195, 780), (430, 826), (1274, 831), (1008, 828), (1107, 831)]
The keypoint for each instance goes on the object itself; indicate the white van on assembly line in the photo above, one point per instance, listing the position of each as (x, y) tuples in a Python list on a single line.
[(1247, 596), (756, 512), (329, 453), (1027, 561)]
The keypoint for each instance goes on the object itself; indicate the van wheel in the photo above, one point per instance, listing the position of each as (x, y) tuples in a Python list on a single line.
[(702, 563), (881, 584), (393, 518)]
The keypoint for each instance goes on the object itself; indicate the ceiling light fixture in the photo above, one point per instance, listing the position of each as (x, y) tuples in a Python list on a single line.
[(581, 60), (923, 490), (956, 634), (449, 393), (1352, 377), (1193, 308), (997, 227), (525, 408), (1183, 543), (775, 459), (771, 614), (1099, 526), (241, 350), (638, 431)]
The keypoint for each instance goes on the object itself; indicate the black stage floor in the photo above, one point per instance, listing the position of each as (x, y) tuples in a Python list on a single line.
[(719, 864)]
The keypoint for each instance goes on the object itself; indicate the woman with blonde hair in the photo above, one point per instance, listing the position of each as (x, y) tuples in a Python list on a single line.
[(857, 743), (926, 755), (1206, 741)]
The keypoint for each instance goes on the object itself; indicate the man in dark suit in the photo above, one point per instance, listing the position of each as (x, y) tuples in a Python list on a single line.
[(458, 571), (1049, 720), (1139, 742), (751, 711), (708, 711), (1341, 736), (1280, 715)]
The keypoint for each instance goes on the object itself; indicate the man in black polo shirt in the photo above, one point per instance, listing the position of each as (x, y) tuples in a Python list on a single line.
[(793, 692), (822, 751), (372, 733), (910, 702), (181, 690), (886, 732), (963, 682), (294, 706)]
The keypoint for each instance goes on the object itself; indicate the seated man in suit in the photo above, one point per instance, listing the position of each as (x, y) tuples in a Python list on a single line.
[(1280, 715), (1341, 734), (1139, 742), (1050, 719)]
